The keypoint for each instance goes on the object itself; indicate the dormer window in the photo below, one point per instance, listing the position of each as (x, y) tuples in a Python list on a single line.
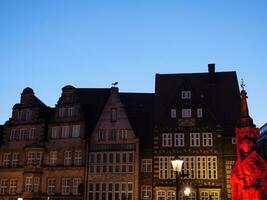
[(61, 112), (186, 113), (186, 94)]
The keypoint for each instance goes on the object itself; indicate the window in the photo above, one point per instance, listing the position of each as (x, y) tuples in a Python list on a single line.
[(23, 134), (146, 165), (52, 158), (166, 139), (171, 195), (194, 139), (123, 134), (199, 113), (207, 139), (233, 140), (55, 132), (75, 186), (66, 186), (34, 159), (13, 186), (178, 139), (165, 167), (76, 131), (32, 133), (13, 135), (101, 135), (186, 113), (20, 115), (28, 184), (67, 158), (212, 167), (72, 112), (113, 135), (78, 158), (36, 184), (28, 115), (6, 159), (201, 167), (146, 192), (3, 186), (186, 94), (51, 186), (65, 131), (61, 112), (161, 195), (15, 160), (113, 115), (173, 113), (189, 166), (209, 194)]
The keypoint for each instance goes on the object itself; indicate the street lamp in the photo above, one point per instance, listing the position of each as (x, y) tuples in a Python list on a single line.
[(20, 198), (177, 167), (187, 192)]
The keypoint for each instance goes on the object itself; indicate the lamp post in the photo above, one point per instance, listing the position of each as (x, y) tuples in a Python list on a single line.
[(177, 167), (187, 192)]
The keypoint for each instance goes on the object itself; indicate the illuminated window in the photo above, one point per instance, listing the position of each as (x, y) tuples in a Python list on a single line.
[(78, 158), (170, 195), (186, 113), (36, 184), (34, 158), (75, 186), (161, 195)]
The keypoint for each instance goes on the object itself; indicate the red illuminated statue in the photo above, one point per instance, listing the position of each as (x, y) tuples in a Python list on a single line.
[(249, 174)]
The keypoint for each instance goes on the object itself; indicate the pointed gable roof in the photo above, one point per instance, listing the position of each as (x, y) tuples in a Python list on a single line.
[(92, 101), (139, 109), (220, 93)]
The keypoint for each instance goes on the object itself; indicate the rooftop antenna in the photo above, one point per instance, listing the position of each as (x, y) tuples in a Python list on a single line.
[(114, 84), (242, 84)]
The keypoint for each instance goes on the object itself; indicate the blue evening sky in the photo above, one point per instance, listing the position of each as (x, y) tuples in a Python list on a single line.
[(47, 44)]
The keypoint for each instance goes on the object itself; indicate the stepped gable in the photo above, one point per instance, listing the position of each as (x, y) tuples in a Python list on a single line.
[(139, 109), (92, 101), (219, 91)]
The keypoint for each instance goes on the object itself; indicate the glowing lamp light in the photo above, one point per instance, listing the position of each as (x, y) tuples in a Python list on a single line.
[(187, 192), (177, 165), (20, 198)]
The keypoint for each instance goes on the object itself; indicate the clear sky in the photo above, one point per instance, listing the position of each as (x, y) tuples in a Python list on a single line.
[(92, 43)]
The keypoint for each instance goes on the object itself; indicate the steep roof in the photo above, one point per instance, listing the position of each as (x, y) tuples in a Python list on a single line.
[(92, 101), (139, 108), (219, 90)]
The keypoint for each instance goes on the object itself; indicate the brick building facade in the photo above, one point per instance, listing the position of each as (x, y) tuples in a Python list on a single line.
[(104, 144)]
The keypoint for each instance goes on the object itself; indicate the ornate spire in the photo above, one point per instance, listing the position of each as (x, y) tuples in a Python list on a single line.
[(245, 120)]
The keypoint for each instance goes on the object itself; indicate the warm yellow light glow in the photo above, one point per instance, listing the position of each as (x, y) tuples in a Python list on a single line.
[(177, 165), (187, 192), (20, 198)]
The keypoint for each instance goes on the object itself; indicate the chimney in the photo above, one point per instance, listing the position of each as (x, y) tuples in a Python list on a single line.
[(211, 68)]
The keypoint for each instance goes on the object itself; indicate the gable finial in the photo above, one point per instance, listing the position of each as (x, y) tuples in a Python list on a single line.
[(114, 84), (242, 84)]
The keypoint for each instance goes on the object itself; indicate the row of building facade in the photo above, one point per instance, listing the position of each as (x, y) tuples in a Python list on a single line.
[(102, 144)]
